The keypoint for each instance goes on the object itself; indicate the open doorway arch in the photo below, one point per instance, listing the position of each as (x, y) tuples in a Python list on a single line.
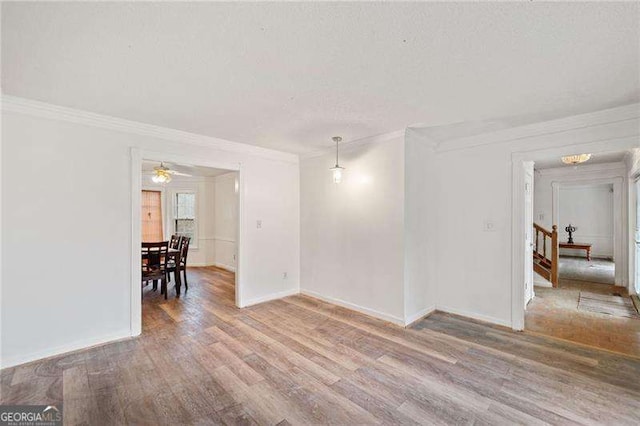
[(137, 156), (518, 235)]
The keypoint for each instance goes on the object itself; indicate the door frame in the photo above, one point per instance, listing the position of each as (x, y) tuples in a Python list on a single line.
[(528, 169), (634, 255), (517, 207), (137, 156)]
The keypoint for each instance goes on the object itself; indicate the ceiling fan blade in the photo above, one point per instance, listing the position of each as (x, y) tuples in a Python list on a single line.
[(173, 172)]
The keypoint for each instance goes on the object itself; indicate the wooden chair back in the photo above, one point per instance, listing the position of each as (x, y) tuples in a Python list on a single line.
[(156, 256), (175, 241), (184, 250)]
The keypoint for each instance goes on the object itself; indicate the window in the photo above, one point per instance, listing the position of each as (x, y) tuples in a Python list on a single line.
[(151, 216), (185, 215)]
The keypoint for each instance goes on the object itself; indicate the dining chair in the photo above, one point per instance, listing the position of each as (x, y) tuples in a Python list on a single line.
[(155, 269), (180, 262), (175, 241)]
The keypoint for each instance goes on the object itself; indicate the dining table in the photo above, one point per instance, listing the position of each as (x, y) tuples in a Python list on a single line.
[(172, 253)]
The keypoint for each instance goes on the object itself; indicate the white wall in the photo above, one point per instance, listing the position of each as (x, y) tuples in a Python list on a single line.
[(352, 233), (457, 222), (475, 188), (590, 210), (66, 216), (226, 223)]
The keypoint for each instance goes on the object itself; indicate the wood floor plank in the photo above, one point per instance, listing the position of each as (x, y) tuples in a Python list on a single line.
[(299, 360)]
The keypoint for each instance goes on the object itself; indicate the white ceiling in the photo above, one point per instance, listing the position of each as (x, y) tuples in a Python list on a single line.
[(609, 157), (291, 75)]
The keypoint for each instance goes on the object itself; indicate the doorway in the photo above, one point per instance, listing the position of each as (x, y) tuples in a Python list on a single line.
[(188, 210), (192, 213), (585, 305)]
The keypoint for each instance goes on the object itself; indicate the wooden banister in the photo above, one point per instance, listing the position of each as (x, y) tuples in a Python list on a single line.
[(543, 265), (555, 256)]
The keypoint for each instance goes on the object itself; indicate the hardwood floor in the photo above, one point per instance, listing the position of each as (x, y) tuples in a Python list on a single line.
[(302, 361), (554, 312)]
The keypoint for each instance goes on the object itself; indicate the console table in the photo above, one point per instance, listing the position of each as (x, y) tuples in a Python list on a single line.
[(578, 246)]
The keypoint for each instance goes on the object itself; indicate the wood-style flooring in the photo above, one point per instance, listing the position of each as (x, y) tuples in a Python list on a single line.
[(554, 312), (298, 360)]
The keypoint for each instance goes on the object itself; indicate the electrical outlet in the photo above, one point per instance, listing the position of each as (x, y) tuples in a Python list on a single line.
[(284, 275), (258, 224)]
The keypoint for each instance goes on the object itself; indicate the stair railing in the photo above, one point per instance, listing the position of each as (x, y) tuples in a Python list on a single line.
[(546, 260)]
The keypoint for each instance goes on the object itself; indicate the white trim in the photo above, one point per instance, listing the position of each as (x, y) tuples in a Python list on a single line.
[(229, 268), (411, 319), (45, 110), (346, 146), (228, 240), (589, 168), (367, 311), (66, 348), (608, 116), (137, 156), (477, 316), (517, 244), (136, 242), (270, 297)]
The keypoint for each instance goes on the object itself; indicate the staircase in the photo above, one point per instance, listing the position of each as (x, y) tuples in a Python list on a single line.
[(545, 261)]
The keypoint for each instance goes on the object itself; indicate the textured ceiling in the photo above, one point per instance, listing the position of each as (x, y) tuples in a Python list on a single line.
[(291, 75)]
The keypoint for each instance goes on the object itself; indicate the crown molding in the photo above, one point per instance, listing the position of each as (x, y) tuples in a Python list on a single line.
[(356, 143), (31, 107), (598, 118), (585, 168)]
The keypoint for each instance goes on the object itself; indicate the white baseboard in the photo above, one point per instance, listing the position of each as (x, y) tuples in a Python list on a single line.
[(269, 297), (12, 361), (216, 264), (199, 264), (419, 315), (225, 267), (473, 315), (367, 311)]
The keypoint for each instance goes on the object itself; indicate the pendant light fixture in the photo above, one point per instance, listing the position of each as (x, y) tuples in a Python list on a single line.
[(337, 170)]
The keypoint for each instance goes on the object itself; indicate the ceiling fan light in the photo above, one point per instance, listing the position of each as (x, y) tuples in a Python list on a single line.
[(161, 176), (576, 159)]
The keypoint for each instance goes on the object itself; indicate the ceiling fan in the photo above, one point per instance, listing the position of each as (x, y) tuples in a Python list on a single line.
[(163, 174)]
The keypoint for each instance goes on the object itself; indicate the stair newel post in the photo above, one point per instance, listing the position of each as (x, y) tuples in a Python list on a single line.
[(555, 256)]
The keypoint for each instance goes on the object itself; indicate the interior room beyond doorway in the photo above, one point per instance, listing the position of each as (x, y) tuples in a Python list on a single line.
[(191, 214)]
